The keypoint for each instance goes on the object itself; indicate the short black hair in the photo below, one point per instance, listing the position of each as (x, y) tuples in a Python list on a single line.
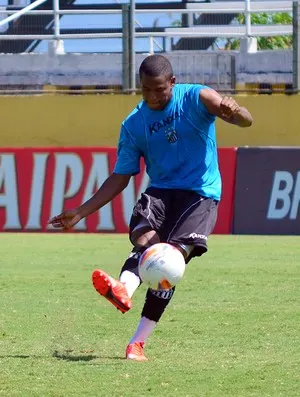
[(156, 65)]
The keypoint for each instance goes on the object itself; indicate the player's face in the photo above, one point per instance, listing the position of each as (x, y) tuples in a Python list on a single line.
[(157, 91)]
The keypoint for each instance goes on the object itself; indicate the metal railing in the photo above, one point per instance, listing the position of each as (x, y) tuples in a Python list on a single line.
[(130, 32), (247, 8)]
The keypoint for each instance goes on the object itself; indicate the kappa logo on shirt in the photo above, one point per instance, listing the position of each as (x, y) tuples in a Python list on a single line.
[(157, 125)]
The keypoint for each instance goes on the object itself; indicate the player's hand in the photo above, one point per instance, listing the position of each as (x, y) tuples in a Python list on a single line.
[(66, 219), (229, 107)]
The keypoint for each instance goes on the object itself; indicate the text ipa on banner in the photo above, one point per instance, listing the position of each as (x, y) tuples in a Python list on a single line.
[(38, 183)]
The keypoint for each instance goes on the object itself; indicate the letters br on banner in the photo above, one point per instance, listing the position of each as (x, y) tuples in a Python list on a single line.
[(38, 183), (267, 191)]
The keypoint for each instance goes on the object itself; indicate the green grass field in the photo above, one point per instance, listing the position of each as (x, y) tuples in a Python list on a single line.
[(232, 328)]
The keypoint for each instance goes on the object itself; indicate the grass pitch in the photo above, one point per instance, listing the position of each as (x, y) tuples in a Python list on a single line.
[(232, 328)]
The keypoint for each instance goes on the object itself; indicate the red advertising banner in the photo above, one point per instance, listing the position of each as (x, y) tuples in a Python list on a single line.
[(38, 183), (227, 164)]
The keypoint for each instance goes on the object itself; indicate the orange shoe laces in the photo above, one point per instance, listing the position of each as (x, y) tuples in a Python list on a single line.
[(137, 349)]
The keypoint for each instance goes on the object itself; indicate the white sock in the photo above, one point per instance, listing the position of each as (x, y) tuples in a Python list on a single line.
[(143, 330), (131, 281)]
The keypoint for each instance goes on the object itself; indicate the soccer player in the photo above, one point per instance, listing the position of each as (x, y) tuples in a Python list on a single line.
[(173, 130)]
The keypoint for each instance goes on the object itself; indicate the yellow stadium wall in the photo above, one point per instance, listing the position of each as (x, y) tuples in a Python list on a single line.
[(90, 120)]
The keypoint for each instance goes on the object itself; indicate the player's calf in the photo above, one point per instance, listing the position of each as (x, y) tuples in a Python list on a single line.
[(156, 303)]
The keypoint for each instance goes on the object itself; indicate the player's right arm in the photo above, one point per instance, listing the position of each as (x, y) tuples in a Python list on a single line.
[(112, 186)]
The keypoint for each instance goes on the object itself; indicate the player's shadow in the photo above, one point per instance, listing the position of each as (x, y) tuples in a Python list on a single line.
[(68, 357), (64, 356), (18, 356), (90, 357)]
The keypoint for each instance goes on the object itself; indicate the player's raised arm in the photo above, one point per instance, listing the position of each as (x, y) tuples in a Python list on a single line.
[(112, 186), (226, 108)]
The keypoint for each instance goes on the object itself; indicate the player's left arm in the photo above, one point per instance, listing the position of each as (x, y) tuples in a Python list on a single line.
[(226, 108)]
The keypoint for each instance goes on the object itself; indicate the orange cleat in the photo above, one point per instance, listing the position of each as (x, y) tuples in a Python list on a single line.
[(135, 351), (113, 290)]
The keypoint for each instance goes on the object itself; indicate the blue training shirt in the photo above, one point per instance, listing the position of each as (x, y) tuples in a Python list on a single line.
[(177, 143)]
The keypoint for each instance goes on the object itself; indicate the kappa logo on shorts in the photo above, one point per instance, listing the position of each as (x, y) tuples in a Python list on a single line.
[(196, 235)]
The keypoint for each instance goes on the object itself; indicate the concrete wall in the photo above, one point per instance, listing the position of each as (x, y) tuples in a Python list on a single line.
[(102, 69), (265, 67), (95, 120)]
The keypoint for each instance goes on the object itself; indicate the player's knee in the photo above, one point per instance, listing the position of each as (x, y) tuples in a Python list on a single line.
[(145, 239), (156, 303)]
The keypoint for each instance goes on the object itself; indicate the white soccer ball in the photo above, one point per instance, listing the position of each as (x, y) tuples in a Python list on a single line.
[(161, 266)]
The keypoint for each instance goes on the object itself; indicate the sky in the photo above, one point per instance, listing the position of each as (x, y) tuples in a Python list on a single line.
[(107, 21)]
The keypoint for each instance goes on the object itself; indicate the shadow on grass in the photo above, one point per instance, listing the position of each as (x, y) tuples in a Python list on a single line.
[(69, 357), (65, 356), (19, 356)]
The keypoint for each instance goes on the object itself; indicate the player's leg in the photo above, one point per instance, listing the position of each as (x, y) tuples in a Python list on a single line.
[(150, 211), (156, 301), (142, 235), (135, 348), (155, 304), (119, 292), (188, 226)]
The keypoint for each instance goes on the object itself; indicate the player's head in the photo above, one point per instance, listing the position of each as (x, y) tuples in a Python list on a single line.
[(157, 81)]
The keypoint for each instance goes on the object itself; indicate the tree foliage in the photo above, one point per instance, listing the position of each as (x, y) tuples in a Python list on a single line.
[(266, 43)]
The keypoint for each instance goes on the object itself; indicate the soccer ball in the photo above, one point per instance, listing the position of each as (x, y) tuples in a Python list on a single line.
[(161, 266)]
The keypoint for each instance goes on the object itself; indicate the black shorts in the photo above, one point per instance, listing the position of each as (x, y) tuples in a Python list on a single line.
[(178, 217)]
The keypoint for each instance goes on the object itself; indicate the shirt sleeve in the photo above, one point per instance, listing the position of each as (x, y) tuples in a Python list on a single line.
[(196, 103), (128, 155)]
